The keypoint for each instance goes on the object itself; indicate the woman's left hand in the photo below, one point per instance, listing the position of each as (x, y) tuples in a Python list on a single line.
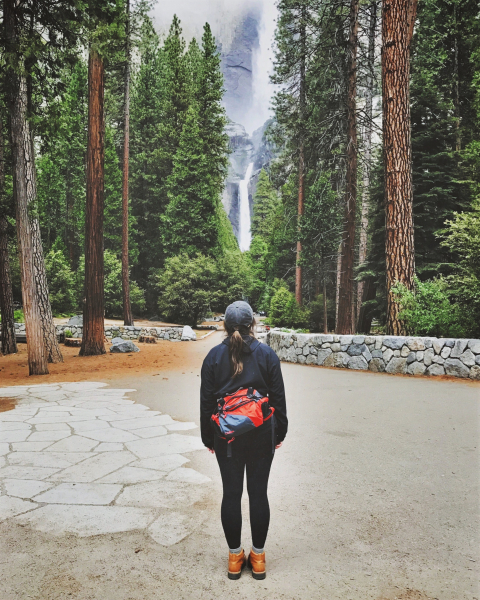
[(211, 450), (278, 446)]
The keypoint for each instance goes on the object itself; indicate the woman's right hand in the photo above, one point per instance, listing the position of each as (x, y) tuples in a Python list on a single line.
[(278, 446), (211, 450)]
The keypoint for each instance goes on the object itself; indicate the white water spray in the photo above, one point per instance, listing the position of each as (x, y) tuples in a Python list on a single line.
[(245, 235)]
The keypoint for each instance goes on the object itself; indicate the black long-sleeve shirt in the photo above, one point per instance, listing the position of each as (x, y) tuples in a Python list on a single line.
[(261, 370)]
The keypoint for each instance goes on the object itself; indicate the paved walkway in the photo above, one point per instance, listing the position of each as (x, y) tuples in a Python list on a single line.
[(106, 493), (82, 458)]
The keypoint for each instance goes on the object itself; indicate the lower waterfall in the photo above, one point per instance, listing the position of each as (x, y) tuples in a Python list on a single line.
[(245, 235)]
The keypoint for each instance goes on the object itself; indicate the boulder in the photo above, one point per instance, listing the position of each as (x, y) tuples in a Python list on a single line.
[(124, 347), (438, 345), (387, 355), (416, 368), (76, 321), (358, 363), (356, 349), (474, 346), (428, 357), (117, 340), (435, 370), (412, 357), (376, 365), (459, 348), (475, 372), (188, 334), (395, 342), (468, 358), (322, 355), (416, 344), (336, 359), (455, 368), (397, 366)]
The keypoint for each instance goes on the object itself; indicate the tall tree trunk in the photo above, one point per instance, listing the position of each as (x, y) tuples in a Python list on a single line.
[(398, 17), (345, 324), (127, 309), (325, 312), (24, 193), (456, 101), (93, 312), (337, 284), (362, 250), (301, 158), (8, 344)]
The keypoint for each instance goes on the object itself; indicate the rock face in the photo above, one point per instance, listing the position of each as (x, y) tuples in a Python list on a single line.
[(124, 347), (76, 321), (394, 355), (188, 334)]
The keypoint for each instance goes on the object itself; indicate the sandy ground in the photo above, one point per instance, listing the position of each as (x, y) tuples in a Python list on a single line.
[(374, 495)]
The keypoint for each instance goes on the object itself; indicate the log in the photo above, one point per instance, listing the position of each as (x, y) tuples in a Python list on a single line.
[(73, 342), (147, 339)]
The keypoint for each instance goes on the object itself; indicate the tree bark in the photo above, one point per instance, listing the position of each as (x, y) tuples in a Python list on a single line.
[(345, 323), (8, 344), (398, 17), (301, 160), (127, 309), (337, 283), (325, 312), (362, 249), (24, 193), (93, 312)]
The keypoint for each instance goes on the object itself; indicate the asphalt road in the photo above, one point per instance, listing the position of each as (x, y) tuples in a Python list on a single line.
[(374, 496)]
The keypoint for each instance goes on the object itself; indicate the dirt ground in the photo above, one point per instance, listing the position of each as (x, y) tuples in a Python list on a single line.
[(374, 494)]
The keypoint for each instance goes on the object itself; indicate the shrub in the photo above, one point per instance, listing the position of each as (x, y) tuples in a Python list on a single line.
[(427, 310), (284, 310), (68, 333), (61, 280)]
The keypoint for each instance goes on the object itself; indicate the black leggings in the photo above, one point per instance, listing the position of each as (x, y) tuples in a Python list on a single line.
[(251, 451)]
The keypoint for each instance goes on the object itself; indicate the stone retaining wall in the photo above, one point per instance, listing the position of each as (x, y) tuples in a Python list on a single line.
[(389, 354), (125, 331)]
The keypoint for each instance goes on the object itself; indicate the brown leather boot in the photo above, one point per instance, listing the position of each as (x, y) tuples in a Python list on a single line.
[(236, 563), (257, 564)]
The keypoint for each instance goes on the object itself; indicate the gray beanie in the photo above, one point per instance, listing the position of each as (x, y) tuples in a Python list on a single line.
[(238, 314)]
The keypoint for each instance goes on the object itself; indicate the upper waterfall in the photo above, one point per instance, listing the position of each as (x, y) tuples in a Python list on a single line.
[(245, 234)]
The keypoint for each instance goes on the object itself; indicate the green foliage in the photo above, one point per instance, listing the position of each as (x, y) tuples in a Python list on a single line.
[(61, 280), (18, 316), (113, 288), (428, 311), (284, 311), (68, 333)]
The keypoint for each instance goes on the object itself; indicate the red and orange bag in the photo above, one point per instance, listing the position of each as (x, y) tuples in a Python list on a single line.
[(240, 412)]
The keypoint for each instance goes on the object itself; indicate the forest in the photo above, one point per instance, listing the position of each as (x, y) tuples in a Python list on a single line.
[(113, 159)]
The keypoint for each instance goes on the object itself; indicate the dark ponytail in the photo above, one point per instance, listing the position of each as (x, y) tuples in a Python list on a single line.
[(235, 347)]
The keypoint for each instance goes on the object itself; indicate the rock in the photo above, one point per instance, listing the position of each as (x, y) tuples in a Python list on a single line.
[(188, 334), (459, 348), (387, 355), (358, 363), (306, 350), (336, 359), (428, 342), (474, 346), (475, 372), (416, 344), (356, 349), (435, 370), (377, 354), (322, 355), (124, 347), (438, 360), (455, 368), (446, 351), (370, 339), (450, 343), (468, 358), (416, 368), (336, 347), (358, 339), (396, 353), (76, 320), (117, 340), (405, 351), (420, 355), (397, 366), (311, 359), (301, 359), (428, 357), (313, 350), (378, 343), (438, 345), (395, 343), (477, 360), (326, 338), (367, 355), (291, 354), (376, 365), (412, 357)]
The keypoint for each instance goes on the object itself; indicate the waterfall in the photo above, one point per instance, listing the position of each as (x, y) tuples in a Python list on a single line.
[(245, 236)]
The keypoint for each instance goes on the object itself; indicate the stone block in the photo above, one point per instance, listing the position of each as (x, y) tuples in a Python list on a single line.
[(450, 343), (358, 363), (292, 354), (336, 347), (345, 340), (477, 360), (474, 346), (428, 357), (397, 366), (378, 343), (438, 360), (412, 357), (328, 338), (428, 342), (446, 351), (396, 353), (435, 370), (322, 355), (387, 355), (475, 372), (405, 351), (377, 353), (420, 355), (356, 349), (370, 339), (358, 339), (311, 359), (468, 358), (377, 365), (416, 343), (336, 359), (459, 347), (394, 342), (306, 350), (367, 355), (298, 351), (416, 368), (455, 368), (301, 359)]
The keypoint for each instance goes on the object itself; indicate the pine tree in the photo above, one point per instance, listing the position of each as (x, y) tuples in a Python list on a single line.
[(265, 205)]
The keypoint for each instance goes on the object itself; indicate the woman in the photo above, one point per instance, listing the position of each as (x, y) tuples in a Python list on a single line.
[(239, 362)]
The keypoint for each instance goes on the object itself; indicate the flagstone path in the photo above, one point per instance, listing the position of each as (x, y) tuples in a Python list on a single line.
[(82, 458)]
